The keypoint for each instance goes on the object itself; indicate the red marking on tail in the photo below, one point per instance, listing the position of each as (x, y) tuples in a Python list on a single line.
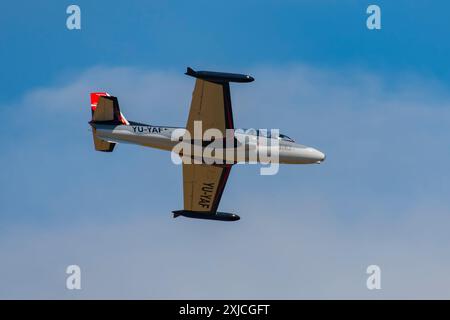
[(94, 98), (94, 101)]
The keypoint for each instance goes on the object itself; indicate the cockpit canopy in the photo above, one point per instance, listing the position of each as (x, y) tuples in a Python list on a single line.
[(268, 134), (285, 137)]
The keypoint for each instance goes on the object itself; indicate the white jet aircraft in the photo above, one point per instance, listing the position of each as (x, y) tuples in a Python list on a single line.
[(204, 177)]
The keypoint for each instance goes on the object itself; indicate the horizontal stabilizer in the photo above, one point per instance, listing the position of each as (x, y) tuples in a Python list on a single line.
[(102, 145)]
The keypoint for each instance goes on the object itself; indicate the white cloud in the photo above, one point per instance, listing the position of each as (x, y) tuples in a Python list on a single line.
[(309, 232)]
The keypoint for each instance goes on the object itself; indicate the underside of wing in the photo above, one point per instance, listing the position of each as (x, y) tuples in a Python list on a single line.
[(211, 100), (211, 104), (203, 186)]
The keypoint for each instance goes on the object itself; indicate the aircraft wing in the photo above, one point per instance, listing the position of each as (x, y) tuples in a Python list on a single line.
[(203, 184), (211, 104), (211, 100)]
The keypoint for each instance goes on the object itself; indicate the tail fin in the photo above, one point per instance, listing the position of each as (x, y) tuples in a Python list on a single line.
[(105, 108), (94, 99)]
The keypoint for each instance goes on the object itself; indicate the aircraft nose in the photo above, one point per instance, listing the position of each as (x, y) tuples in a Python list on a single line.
[(320, 156), (323, 156), (304, 154)]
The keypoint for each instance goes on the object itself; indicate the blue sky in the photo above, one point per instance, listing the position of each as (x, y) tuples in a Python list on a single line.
[(376, 102), (233, 34)]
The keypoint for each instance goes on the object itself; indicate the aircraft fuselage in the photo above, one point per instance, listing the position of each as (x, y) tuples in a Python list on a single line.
[(160, 137)]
